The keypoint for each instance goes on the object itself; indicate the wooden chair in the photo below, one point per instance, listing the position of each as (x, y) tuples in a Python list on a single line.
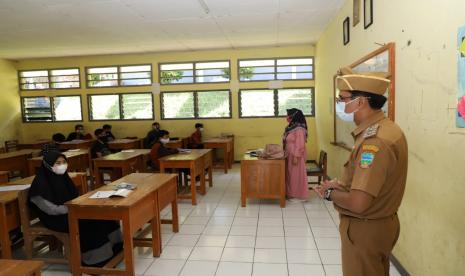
[(320, 170), (11, 145), (34, 230)]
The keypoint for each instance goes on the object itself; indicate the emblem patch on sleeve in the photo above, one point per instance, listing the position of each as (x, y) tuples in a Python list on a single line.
[(366, 159)]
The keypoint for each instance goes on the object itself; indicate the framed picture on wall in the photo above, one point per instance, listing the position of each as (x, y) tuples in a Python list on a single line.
[(367, 13), (346, 31), (356, 15)]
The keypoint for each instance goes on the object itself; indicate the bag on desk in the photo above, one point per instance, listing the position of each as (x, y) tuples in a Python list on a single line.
[(272, 151)]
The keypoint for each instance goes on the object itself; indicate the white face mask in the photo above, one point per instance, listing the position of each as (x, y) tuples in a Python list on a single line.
[(164, 140), (340, 111), (201, 129), (60, 169)]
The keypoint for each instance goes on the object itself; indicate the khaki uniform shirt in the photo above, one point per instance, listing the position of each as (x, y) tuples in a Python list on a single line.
[(377, 165)]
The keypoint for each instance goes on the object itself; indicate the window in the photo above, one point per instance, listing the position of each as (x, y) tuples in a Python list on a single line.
[(48, 109), (273, 103), (49, 79), (195, 72), (196, 104), (64, 78), (113, 76), (276, 69), (131, 106)]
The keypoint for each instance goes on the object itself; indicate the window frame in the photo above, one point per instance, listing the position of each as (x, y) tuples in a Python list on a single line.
[(194, 69), (118, 72), (49, 79), (52, 109), (275, 73), (196, 106), (275, 102), (120, 106)]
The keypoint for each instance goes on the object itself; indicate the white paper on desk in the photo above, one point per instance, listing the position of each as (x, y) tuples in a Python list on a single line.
[(128, 151), (14, 187), (74, 150), (184, 150), (107, 194)]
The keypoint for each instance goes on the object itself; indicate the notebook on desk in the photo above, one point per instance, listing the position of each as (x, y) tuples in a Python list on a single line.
[(108, 194)]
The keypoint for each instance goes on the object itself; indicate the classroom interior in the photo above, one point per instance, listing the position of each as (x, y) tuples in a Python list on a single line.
[(218, 236)]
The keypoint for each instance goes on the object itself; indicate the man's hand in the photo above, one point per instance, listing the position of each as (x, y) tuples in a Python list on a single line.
[(320, 191), (335, 184)]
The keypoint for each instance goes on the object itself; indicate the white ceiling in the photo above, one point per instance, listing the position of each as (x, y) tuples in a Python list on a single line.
[(48, 28)]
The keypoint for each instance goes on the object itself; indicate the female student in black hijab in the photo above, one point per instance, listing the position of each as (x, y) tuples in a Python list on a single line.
[(50, 189), (294, 140)]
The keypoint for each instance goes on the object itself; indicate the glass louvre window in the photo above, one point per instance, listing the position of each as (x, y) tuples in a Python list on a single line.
[(213, 104), (257, 103), (177, 73), (177, 105), (216, 71), (294, 69), (276, 69), (33, 80), (257, 70), (36, 109), (64, 78), (67, 108), (104, 107), (102, 76), (301, 98), (136, 75), (137, 106)]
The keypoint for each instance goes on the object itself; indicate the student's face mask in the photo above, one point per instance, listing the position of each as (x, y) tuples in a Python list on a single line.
[(60, 169), (340, 111), (201, 129), (164, 140)]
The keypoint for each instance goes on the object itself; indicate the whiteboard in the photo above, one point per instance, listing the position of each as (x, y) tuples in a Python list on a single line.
[(380, 60)]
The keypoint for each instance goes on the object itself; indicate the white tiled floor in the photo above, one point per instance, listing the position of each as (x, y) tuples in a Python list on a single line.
[(219, 238)]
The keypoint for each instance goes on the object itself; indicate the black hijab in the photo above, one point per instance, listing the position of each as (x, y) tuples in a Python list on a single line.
[(53, 187), (297, 121)]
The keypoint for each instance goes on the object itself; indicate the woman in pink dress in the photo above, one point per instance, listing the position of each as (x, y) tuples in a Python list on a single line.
[(294, 139)]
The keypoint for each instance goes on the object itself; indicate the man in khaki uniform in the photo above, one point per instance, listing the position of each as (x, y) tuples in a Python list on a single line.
[(371, 189)]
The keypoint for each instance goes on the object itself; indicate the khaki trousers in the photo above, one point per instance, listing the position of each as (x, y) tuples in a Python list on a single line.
[(367, 245)]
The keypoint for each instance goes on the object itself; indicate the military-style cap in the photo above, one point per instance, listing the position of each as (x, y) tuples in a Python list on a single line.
[(371, 82)]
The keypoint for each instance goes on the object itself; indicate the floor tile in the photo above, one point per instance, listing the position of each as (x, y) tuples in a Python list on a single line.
[(176, 252), (243, 230), (270, 231), (328, 243), (184, 240), (233, 254), (241, 241), (333, 270), (270, 256), (331, 257), (270, 242), (211, 240), (162, 267), (206, 254), (234, 269), (300, 243), (199, 268), (291, 231), (260, 269), (303, 256), (306, 270)]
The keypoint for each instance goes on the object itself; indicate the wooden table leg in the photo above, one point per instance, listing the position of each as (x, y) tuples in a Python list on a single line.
[(75, 247), (129, 245), (4, 234), (244, 176), (226, 158), (156, 230), (174, 213), (193, 184), (203, 189), (98, 177)]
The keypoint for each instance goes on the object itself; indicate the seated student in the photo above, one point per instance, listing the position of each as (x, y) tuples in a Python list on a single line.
[(195, 140), (100, 240), (159, 150), (53, 145), (78, 134), (108, 135), (100, 147), (152, 135)]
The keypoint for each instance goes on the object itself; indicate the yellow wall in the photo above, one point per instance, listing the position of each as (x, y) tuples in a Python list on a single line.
[(432, 226), (10, 109), (249, 133)]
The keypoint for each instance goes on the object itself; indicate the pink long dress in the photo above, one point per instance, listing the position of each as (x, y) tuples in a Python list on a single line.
[(296, 175)]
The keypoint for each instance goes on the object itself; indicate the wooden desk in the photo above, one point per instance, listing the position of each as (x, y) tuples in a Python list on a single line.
[(128, 161), (9, 215), (122, 144), (174, 144), (76, 144), (262, 178), (193, 161), (34, 145), (77, 161), (17, 160), (20, 267), (153, 192), (3, 177), (221, 143)]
